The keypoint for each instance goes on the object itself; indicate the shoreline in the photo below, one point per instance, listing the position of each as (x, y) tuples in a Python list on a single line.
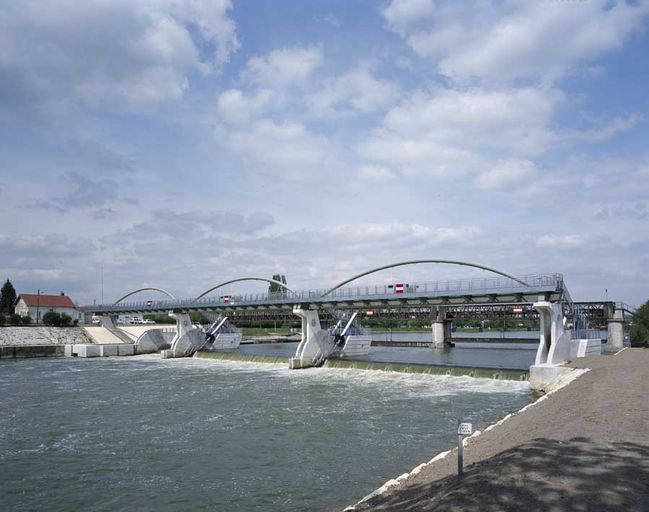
[(551, 449), (565, 380)]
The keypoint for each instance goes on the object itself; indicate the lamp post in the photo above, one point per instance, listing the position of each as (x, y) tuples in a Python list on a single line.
[(38, 306)]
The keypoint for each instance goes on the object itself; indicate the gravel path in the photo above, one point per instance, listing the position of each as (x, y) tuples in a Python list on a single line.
[(585, 447)]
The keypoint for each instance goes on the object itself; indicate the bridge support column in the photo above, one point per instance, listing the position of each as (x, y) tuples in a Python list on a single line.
[(554, 345), (316, 344), (441, 328), (616, 331), (187, 340)]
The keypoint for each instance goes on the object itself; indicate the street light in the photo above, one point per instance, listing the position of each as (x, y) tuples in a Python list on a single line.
[(38, 306)]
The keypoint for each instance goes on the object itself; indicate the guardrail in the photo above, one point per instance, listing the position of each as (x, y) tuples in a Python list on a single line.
[(490, 285)]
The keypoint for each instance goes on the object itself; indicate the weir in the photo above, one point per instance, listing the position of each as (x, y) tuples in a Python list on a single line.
[(345, 339), (560, 318), (456, 371)]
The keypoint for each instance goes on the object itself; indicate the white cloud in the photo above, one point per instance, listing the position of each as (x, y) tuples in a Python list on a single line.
[(112, 54), (501, 41), (609, 129), (402, 14), (284, 67), (506, 172), (235, 107), (376, 173), (355, 91), (211, 18), (450, 132), (286, 149), (551, 241)]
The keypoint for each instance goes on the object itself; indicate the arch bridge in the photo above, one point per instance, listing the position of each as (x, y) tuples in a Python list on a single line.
[(547, 294)]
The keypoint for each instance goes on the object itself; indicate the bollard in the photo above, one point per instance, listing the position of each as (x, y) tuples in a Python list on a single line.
[(463, 429)]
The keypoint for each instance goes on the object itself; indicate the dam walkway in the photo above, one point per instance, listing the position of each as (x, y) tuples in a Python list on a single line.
[(585, 447)]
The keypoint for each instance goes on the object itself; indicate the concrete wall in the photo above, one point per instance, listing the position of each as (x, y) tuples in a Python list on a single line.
[(101, 335), (24, 351), (137, 330), (585, 348), (30, 335)]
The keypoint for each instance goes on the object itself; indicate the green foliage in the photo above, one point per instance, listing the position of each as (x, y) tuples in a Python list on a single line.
[(15, 319), (53, 319), (66, 320), (161, 318), (198, 318), (26, 320), (7, 297), (639, 329), (276, 288), (2, 319)]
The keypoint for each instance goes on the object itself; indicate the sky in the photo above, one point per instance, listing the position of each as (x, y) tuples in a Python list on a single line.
[(180, 144)]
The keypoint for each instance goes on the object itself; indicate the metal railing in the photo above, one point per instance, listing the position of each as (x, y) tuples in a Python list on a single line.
[(489, 285)]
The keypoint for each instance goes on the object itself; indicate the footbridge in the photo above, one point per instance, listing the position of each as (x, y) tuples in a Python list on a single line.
[(561, 320)]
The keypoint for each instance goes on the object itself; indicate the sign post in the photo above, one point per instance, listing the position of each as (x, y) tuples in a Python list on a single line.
[(463, 429)]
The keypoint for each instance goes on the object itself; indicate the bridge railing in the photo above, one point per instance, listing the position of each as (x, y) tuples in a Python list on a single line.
[(441, 287), (386, 291)]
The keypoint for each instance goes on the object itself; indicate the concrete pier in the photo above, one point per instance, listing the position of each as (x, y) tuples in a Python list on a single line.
[(441, 328), (103, 350), (616, 331)]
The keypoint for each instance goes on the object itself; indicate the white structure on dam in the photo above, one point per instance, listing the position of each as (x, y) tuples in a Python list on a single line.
[(563, 324)]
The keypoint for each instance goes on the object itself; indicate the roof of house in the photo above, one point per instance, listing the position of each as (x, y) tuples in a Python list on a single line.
[(47, 301)]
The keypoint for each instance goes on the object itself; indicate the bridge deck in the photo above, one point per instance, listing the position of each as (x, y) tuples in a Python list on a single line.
[(466, 291)]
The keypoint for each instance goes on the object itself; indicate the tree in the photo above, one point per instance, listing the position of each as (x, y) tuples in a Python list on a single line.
[(639, 330), (7, 297), (65, 320), (26, 320), (52, 318), (276, 288), (2, 319)]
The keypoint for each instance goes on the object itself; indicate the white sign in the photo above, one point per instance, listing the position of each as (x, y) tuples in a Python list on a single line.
[(465, 429)]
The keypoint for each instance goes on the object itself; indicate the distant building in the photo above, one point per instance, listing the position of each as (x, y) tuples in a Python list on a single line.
[(36, 305)]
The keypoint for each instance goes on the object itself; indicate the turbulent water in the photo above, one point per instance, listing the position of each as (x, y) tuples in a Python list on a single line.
[(141, 433), (493, 355)]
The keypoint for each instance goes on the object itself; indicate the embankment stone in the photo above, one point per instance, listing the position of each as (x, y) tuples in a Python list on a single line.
[(40, 335)]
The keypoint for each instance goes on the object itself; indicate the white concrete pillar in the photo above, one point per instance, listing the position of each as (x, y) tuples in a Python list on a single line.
[(616, 331), (441, 328), (316, 344)]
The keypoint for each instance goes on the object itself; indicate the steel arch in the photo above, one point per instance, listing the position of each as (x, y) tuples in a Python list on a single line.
[(244, 279), (417, 262), (142, 290)]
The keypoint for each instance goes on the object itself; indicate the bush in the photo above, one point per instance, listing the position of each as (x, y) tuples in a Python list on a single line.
[(52, 318), (639, 329), (66, 320), (162, 318), (15, 319), (26, 320), (2, 319)]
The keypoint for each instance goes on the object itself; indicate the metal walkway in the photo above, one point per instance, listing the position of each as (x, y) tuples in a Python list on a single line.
[(501, 290)]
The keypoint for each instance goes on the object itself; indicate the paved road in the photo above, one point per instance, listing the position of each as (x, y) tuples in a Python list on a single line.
[(584, 448)]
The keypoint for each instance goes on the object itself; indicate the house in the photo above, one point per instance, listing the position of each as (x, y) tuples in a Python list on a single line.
[(36, 305)]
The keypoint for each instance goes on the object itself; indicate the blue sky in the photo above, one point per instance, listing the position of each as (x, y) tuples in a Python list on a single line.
[(179, 144)]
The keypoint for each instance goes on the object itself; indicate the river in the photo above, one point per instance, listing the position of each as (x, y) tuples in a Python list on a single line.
[(142, 433), (486, 355)]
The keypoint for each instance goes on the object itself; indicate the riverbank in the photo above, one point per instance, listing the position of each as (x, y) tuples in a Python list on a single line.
[(584, 447), (41, 335)]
